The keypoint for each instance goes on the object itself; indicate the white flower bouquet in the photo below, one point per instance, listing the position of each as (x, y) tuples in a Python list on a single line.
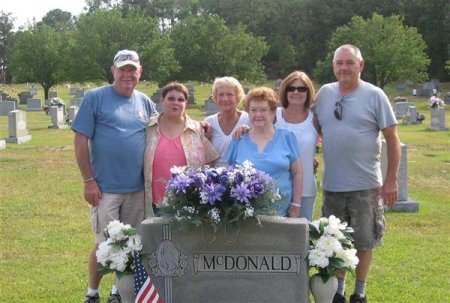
[(331, 247), (219, 196), (115, 254)]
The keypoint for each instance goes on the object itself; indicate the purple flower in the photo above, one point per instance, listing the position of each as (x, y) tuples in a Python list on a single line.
[(180, 183), (241, 193), (212, 193), (239, 178)]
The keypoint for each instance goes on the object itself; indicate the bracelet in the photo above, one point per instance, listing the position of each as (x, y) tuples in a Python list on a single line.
[(295, 204), (89, 180)]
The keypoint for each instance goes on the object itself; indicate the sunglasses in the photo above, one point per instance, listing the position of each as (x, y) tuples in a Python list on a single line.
[(338, 109), (300, 89), (126, 57)]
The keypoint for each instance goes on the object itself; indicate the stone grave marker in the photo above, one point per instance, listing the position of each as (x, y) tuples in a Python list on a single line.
[(57, 115), (438, 119), (210, 107), (79, 93), (52, 94), (2, 144), (400, 109), (73, 110), (24, 96), (403, 203), (72, 90), (76, 102), (447, 98), (6, 107), (266, 263), (18, 132), (33, 91), (34, 105), (411, 115)]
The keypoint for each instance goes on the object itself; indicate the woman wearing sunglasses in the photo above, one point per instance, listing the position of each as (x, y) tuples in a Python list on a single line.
[(296, 95)]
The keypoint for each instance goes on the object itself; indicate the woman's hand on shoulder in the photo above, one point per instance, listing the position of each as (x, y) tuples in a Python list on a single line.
[(241, 131)]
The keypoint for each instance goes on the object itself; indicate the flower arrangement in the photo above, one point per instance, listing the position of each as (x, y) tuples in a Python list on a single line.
[(115, 254), (435, 102), (331, 247), (218, 195)]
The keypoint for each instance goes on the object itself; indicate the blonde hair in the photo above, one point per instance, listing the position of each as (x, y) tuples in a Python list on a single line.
[(228, 82)]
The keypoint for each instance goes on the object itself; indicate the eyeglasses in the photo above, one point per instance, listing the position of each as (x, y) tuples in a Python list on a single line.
[(338, 109), (300, 89), (173, 99)]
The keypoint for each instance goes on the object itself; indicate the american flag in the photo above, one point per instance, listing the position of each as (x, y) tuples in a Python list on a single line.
[(144, 289)]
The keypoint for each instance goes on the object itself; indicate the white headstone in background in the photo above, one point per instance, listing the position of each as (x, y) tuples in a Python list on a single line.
[(18, 132), (411, 115), (76, 102), (438, 119), (6, 107), (403, 203), (34, 105), (73, 110), (400, 109), (2, 144), (57, 115), (210, 107)]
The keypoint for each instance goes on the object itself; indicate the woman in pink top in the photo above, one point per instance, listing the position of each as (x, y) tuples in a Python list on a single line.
[(173, 139)]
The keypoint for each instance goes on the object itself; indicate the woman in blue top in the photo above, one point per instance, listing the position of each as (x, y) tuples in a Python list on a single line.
[(270, 149)]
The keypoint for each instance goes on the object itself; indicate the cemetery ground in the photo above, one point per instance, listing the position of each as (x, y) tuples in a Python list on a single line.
[(45, 233)]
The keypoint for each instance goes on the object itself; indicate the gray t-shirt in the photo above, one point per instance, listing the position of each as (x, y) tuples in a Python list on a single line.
[(352, 146)]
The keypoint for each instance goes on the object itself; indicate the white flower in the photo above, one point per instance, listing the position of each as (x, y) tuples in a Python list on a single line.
[(329, 245), (249, 212), (115, 230), (318, 258), (178, 170), (214, 214), (349, 257)]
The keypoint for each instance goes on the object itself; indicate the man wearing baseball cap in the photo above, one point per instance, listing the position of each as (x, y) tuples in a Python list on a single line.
[(109, 148)]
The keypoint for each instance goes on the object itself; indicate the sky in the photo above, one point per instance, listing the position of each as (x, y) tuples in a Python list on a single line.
[(25, 10)]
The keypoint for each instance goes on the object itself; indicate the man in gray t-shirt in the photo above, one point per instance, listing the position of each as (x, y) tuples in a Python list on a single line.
[(352, 113)]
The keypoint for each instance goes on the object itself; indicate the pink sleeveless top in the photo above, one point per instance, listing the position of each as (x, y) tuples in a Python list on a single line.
[(168, 153)]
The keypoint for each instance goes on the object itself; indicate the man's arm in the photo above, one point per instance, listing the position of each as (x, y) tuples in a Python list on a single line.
[(389, 191), (92, 192)]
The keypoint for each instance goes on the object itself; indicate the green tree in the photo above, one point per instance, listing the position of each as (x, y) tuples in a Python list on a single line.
[(35, 56), (58, 19), (100, 34), (207, 48), (391, 50), (6, 38)]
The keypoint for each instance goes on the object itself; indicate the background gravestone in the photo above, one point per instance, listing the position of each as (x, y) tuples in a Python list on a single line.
[(210, 107), (438, 119), (73, 110), (52, 94), (79, 93), (34, 105), (18, 132), (2, 144), (6, 107), (33, 91), (57, 116), (24, 96), (266, 263), (411, 115), (76, 102), (403, 203), (400, 109)]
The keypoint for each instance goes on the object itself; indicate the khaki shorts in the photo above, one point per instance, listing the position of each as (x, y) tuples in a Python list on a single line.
[(362, 210), (128, 208)]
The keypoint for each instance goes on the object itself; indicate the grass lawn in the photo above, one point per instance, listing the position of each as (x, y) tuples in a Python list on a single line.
[(45, 233)]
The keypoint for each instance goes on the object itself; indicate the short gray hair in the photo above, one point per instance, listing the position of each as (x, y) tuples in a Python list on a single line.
[(350, 47)]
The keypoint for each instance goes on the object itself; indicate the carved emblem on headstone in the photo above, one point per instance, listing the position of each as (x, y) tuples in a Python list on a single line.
[(167, 260)]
